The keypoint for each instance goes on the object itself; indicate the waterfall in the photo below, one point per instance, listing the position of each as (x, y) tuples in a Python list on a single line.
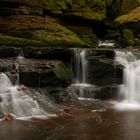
[(130, 88), (104, 43), (80, 85), (15, 100), (80, 65)]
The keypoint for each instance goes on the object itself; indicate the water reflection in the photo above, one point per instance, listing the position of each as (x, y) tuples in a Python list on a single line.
[(84, 124)]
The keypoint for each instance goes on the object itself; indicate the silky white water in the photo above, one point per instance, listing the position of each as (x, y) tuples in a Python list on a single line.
[(130, 88), (17, 102), (80, 64), (109, 43), (80, 83)]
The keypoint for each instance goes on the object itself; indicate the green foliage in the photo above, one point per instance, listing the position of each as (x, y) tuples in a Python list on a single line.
[(63, 72), (128, 37)]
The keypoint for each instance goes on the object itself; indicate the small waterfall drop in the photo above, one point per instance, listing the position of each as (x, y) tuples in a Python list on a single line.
[(17, 101), (130, 88), (80, 65), (104, 43), (80, 85)]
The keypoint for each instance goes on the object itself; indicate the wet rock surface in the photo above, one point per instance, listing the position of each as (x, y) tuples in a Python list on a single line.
[(38, 73)]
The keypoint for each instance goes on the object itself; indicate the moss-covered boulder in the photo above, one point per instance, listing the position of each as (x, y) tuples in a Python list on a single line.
[(128, 37), (130, 20), (36, 31), (128, 5), (91, 9), (133, 16)]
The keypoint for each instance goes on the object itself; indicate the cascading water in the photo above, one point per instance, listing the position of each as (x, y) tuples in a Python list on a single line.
[(130, 88), (17, 102), (80, 84), (109, 43), (80, 64)]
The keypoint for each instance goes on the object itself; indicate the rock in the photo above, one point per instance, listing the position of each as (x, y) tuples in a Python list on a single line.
[(8, 117), (21, 7), (35, 31), (9, 51), (94, 92), (102, 71), (130, 20), (35, 73), (93, 9)]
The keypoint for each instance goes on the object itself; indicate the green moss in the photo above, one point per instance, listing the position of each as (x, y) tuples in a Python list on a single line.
[(92, 40), (18, 42), (63, 72), (22, 42), (112, 34), (128, 37), (133, 16), (128, 5), (91, 9)]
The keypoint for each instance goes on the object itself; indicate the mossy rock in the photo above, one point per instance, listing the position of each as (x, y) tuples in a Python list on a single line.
[(85, 33), (133, 16), (92, 40), (23, 43), (128, 5), (18, 42), (130, 21), (62, 72), (92, 9), (128, 37), (37, 31), (112, 34)]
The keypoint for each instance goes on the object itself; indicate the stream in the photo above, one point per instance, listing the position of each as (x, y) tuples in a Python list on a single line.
[(89, 120)]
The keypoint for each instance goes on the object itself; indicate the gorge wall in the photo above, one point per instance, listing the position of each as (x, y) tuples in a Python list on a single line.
[(44, 29)]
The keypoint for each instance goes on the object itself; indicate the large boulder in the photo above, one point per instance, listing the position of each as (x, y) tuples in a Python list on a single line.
[(92, 9)]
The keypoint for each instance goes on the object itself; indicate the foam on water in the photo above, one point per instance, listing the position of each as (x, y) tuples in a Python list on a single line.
[(122, 106), (17, 102)]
